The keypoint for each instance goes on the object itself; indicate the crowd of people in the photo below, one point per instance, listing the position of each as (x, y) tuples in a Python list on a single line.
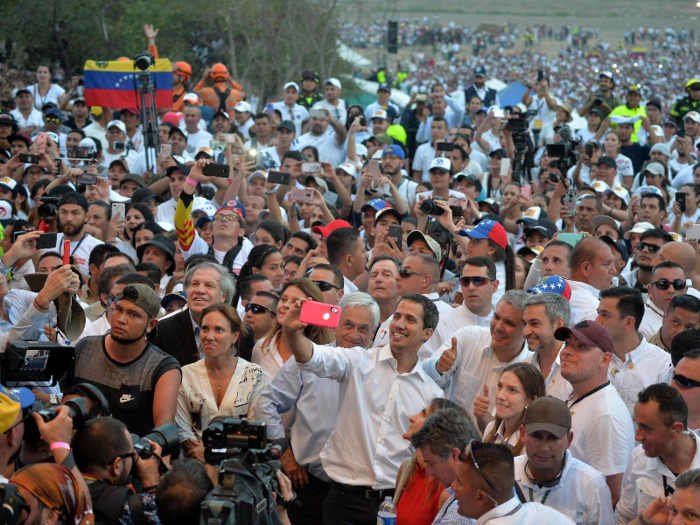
[(451, 312)]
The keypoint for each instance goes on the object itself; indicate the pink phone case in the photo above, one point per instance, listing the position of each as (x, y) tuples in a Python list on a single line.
[(320, 314)]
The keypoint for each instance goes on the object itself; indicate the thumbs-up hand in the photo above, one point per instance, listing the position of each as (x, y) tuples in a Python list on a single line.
[(448, 357), (481, 403)]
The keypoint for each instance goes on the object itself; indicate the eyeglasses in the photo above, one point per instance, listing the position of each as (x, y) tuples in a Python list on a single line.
[(226, 218), (52, 120), (663, 284), (325, 287), (651, 248), (134, 455), (26, 414), (257, 309), (478, 281), (684, 382), (405, 274), (472, 446)]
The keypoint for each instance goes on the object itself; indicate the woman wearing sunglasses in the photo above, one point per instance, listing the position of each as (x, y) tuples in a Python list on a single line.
[(220, 385), (519, 384)]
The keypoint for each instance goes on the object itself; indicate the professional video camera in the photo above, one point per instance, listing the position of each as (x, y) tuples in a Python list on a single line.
[(144, 60), (34, 361), (565, 152), (165, 436), (76, 411), (12, 505), (524, 148), (247, 474)]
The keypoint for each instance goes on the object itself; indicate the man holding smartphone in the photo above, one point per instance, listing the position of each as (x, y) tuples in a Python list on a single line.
[(116, 145), (329, 145)]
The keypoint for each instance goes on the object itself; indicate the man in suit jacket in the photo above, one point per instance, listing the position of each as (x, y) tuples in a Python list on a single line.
[(488, 96), (206, 284)]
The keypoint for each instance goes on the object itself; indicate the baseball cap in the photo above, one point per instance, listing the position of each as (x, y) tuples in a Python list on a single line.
[(655, 102), (174, 295), (492, 204), (204, 150), (73, 197), (384, 86), (662, 148), (117, 124), (288, 125), (205, 206), (142, 296), (607, 74), (600, 186), (21, 90), (184, 168), (620, 192), (192, 98), (310, 75), (609, 161), (54, 112), (532, 215), (394, 149), (175, 129), (6, 118), (544, 226), (387, 211), (333, 82), (671, 122), (20, 136), (291, 84), (375, 204), (500, 152), (596, 111), (235, 206), (258, 174), (640, 227), (318, 180), (590, 333), (618, 245), (549, 414), (243, 107), (488, 229), (552, 284), (12, 401), (133, 111), (325, 231), (417, 235), (643, 190), (53, 136), (348, 168), (473, 179), (8, 183), (605, 219), (634, 88), (655, 168), (143, 195), (441, 163), (479, 71), (138, 179), (526, 250), (172, 117), (380, 114), (693, 115)]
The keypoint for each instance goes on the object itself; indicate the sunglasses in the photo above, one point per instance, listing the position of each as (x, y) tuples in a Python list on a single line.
[(472, 445), (684, 382), (52, 120), (405, 274), (651, 248), (257, 309), (325, 287), (226, 218), (478, 281), (663, 284)]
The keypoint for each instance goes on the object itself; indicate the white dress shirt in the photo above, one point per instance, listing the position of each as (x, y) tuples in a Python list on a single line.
[(349, 286), (512, 512), (196, 403), (584, 302), (315, 401), (424, 155), (268, 357), (366, 448), (581, 493), (603, 431), (448, 324), (297, 114), (381, 338), (475, 366), (645, 365), (499, 437), (652, 320), (555, 384), (643, 482)]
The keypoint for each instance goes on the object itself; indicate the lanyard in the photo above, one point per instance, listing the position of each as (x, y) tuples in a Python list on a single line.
[(532, 496), (77, 246), (668, 489), (516, 509), (584, 396)]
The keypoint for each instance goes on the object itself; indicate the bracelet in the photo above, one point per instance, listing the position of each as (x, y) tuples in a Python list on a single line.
[(60, 444), (53, 399), (191, 182), (40, 308), (270, 192)]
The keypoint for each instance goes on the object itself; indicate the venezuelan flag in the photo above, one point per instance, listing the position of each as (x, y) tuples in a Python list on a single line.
[(115, 84)]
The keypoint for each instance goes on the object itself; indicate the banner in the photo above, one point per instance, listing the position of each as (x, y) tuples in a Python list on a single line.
[(115, 84)]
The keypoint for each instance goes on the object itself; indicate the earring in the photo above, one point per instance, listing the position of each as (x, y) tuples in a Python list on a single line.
[(148, 330)]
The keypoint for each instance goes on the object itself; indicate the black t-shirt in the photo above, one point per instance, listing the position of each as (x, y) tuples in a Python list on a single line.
[(129, 387), (637, 154)]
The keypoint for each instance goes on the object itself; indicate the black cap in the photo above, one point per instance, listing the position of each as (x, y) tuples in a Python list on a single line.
[(655, 102), (165, 244), (6, 118), (544, 226), (174, 130), (178, 167), (288, 125), (596, 111), (500, 152), (143, 195), (607, 160), (310, 75), (73, 197), (618, 245), (473, 179)]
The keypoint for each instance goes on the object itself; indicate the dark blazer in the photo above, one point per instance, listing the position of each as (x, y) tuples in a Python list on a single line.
[(175, 336)]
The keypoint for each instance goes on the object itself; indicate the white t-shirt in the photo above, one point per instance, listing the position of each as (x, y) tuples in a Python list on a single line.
[(544, 113), (80, 250), (34, 120), (297, 114), (482, 159), (603, 431), (328, 148), (421, 160), (624, 166), (584, 135), (339, 113), (197, 140), (54, 92), (244, 129), (129, 157)]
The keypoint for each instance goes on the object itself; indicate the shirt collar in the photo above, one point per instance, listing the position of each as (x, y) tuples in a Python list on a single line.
[(501, 510), (656, 465), (654, 308), (580, 285), (386, 355), (634, 355)]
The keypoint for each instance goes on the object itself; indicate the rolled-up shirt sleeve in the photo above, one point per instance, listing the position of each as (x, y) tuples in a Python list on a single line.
[(333, 362)]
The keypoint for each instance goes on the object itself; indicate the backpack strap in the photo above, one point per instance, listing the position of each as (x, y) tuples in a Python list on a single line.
[(223, 96), (108, 501), (138, 517)]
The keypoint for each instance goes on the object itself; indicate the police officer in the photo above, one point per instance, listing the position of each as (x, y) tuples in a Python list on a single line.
[(309, 82), (688, 103)]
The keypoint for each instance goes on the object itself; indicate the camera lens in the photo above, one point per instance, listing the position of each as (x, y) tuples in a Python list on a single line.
[(430, 208)]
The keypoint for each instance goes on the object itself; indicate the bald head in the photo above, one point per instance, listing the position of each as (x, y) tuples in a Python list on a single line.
[(679, 253), (586, 251), (592, 262)]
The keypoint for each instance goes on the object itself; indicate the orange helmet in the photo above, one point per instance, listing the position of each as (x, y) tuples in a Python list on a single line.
[(219, 72), (123, 59), (183, 69)]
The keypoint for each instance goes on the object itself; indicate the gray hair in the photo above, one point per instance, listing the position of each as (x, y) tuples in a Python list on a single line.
[(444, 430), (226, 283), (361, 300), (515, 298), (555, 306), (689, 479)]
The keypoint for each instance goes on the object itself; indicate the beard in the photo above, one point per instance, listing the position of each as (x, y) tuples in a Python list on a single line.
[(70, 229), (129, 341)]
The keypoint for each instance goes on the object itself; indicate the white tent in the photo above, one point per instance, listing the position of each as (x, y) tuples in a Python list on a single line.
[(355, 59), (398, 97)]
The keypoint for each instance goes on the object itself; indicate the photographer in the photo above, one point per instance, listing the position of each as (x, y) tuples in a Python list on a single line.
[(107, 468), (603, 98)]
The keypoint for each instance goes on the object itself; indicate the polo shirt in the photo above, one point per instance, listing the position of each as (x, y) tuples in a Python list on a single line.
[(476, 365), (603, 431), (584, 302), (512, 512), (581, 493), (643, 481), (645, 365)]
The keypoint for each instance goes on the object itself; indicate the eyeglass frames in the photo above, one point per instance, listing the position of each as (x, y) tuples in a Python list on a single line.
[(478, 281), (472, 446), (405, 274), (663, 284), (685, 382), (325, 286), (651, 248), (257, 309)]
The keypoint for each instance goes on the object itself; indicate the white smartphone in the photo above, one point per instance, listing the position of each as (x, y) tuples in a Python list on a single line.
[(692, 232), (166, 149), (505, 166), (119, 210)]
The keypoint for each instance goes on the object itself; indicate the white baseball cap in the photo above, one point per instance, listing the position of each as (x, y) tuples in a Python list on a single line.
[(117, 124), (291, 84), (441, 163), (333, 82), (348, 168), (640, 227), (243, 107)]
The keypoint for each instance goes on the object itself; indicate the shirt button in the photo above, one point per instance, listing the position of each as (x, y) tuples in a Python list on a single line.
[(381, 442), (631, 366), (391, 397)]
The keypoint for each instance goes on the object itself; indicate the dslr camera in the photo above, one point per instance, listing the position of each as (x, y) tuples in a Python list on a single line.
[(429, 207), (165, 436), (49, 206)]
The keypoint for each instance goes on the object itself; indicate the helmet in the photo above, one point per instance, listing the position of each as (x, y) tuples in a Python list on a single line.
[(219, 71), (183, 69), (691, 82), (123, 59)]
